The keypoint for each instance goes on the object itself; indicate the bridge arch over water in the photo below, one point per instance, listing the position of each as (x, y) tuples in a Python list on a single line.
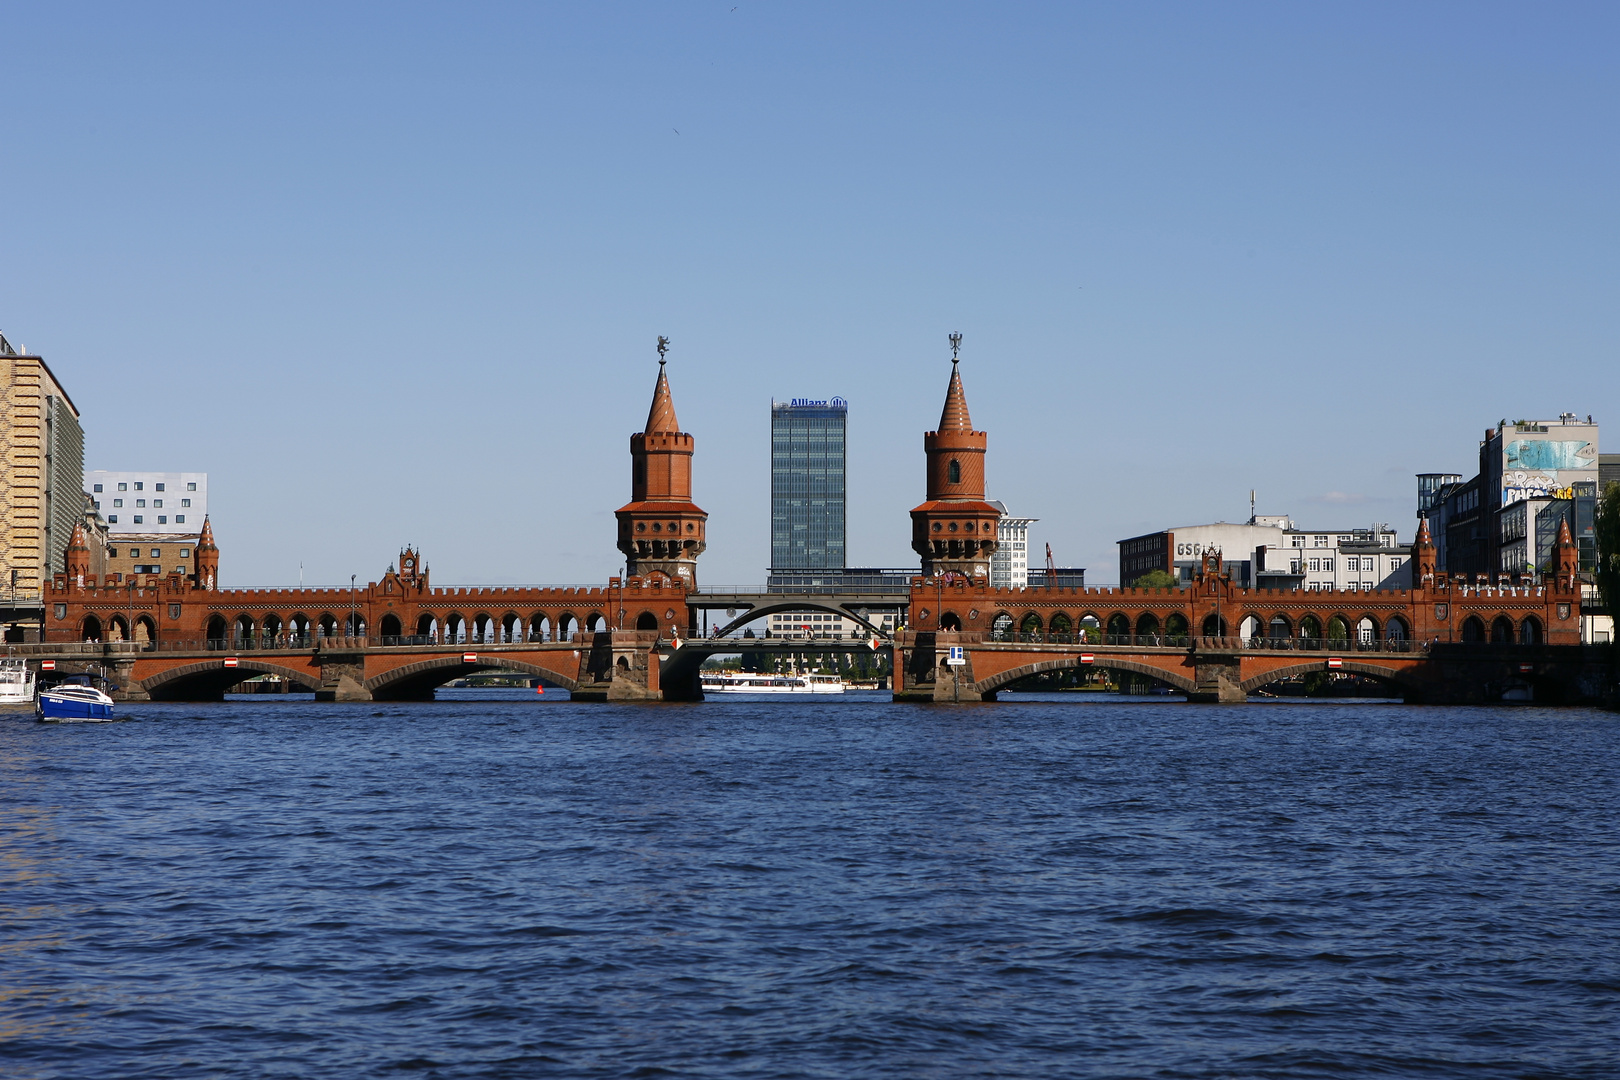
[(207, 680), (417, 681), (1001, 680)]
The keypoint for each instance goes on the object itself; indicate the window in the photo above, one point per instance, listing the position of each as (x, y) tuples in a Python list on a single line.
[(112, 553), (118, 502), (179, 519), (157, 502), (157, 553), (137, 485), (185, 553), (139, 519), (1316, 564), (97, 489), (191, 487), (179, 569), (157, 487), (1327, 564), (185, 502), (112, 519), (98, 504), (163, 519), (140, 502), (123, 487), (956, 471)]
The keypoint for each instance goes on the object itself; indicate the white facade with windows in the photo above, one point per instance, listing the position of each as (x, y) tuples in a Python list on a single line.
[(149, 502), (1009, 563), (1274, 553), (1356, 560), (825, 625)]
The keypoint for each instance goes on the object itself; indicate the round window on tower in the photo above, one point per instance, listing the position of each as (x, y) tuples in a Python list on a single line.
[(953, 526), (936, 526), (673, 527), (968, 527), (657, 527), (641, 526)]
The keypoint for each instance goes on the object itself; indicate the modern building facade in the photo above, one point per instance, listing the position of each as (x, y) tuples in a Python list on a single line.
[(1009, 565), (1608, 471), (41, 471), (808, 475), (161, 503), (1504, 520), (1271, 552)]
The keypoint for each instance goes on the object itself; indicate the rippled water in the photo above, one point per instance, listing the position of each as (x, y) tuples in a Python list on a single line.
[(526, 887)]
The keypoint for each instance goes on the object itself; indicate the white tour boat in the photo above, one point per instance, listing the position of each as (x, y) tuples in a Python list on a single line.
[(16, 681), (751, 682)]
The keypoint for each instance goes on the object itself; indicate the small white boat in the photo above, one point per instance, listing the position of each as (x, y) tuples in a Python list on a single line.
[(74, 702), (750, 682), (16, 681)]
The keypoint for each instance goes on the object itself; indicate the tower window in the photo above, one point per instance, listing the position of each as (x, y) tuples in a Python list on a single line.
[(956, 471)]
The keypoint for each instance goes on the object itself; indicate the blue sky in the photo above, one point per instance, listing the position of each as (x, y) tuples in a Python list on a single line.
[(394, 273)]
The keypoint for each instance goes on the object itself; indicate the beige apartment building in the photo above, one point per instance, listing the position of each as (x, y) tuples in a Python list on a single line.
[(41, 472)]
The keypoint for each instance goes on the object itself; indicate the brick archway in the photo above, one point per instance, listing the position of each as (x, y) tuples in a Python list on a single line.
[(211, 678), (1401, 676), (1012, 675), (409, 680)]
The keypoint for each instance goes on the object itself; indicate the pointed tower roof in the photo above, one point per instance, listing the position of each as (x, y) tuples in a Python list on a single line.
[(955, 414), (77, 541), (205, 542), (661, 417), (1564, 537), (1423, 537)]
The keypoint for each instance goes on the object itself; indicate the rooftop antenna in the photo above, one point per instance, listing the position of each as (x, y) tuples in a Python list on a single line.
[(1251, 506), (956, 343), (663, 347)]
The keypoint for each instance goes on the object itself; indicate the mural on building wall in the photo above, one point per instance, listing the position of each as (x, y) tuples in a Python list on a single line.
[(1543, 455), (1533, 467)]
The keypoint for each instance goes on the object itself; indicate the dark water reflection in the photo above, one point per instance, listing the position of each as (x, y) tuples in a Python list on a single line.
[(519, 886)]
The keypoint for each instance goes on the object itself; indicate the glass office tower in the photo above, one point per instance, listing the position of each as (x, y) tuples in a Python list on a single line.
[(807, 484)]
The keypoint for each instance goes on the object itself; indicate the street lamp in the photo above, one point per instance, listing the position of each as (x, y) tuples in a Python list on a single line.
[(351, 627)]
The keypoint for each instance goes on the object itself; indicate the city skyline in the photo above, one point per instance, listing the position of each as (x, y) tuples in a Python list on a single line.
[(1296, 251)]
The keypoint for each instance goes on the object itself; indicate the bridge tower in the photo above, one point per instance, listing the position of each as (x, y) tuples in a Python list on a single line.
[(661, 530), (206, 558), (955, 530)]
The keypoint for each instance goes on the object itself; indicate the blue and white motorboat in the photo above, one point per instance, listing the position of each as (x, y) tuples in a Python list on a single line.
[(74, 702)]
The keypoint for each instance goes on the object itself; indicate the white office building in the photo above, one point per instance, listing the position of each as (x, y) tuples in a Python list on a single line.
[(1009, 563), (1273, 553), (825, 626), (149, 502)]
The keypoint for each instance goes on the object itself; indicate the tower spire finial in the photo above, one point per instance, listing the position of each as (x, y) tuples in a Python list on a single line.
[(663, 346), (956, 343)]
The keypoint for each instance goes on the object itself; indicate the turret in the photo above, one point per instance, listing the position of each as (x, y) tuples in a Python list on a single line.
[(206, 557), (954, 531), (1423, 557), (661, 530), (1566, 560), (77, 560)]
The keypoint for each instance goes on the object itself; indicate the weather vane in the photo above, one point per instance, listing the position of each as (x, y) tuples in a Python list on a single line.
[(663, 347), (956, 343)]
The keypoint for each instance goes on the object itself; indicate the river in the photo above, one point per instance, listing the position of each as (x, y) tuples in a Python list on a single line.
[(509, 884)]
